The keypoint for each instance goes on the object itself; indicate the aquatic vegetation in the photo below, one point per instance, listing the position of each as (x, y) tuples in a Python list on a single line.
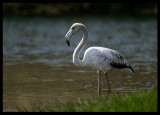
[(145, 101)]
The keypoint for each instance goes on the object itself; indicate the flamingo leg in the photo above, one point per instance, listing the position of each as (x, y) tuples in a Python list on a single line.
[(109, 89), (99, 84)]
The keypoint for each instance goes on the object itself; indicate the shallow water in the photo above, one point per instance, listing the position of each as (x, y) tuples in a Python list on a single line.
[(37, 63)]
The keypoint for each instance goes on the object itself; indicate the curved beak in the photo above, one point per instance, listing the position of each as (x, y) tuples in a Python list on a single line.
[(68, 36)]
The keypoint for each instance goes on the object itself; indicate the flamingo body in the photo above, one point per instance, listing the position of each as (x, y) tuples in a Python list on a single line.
[(103, 59), (99, 58)]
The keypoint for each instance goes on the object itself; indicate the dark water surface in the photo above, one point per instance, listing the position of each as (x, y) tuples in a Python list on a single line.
[(37, 63)]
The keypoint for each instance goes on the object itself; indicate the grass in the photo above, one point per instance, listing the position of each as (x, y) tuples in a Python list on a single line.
[(145, 101)]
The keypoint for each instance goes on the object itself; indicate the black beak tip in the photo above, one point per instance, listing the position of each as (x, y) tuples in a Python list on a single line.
[(68, 43)]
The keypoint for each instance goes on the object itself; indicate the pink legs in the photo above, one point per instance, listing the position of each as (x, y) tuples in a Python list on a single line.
[(109, 89), (99, 83)]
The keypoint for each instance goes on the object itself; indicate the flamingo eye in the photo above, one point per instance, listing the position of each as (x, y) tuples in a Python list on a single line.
[(73, 28)]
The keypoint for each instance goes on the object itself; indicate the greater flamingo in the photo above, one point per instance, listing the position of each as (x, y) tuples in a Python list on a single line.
[(99, 58)]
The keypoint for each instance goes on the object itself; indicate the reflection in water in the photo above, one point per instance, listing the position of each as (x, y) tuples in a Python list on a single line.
[(37, 64)]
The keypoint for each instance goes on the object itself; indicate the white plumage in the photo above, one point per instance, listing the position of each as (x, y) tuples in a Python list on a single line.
[(99, 58)]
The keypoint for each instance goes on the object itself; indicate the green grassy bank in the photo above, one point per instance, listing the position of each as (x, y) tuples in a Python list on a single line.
[(145, 101)]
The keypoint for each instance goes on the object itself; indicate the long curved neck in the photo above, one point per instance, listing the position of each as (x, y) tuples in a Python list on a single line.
[(76, 53)]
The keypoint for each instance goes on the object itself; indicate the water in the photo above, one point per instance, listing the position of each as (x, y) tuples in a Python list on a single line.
[(37, 63)]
